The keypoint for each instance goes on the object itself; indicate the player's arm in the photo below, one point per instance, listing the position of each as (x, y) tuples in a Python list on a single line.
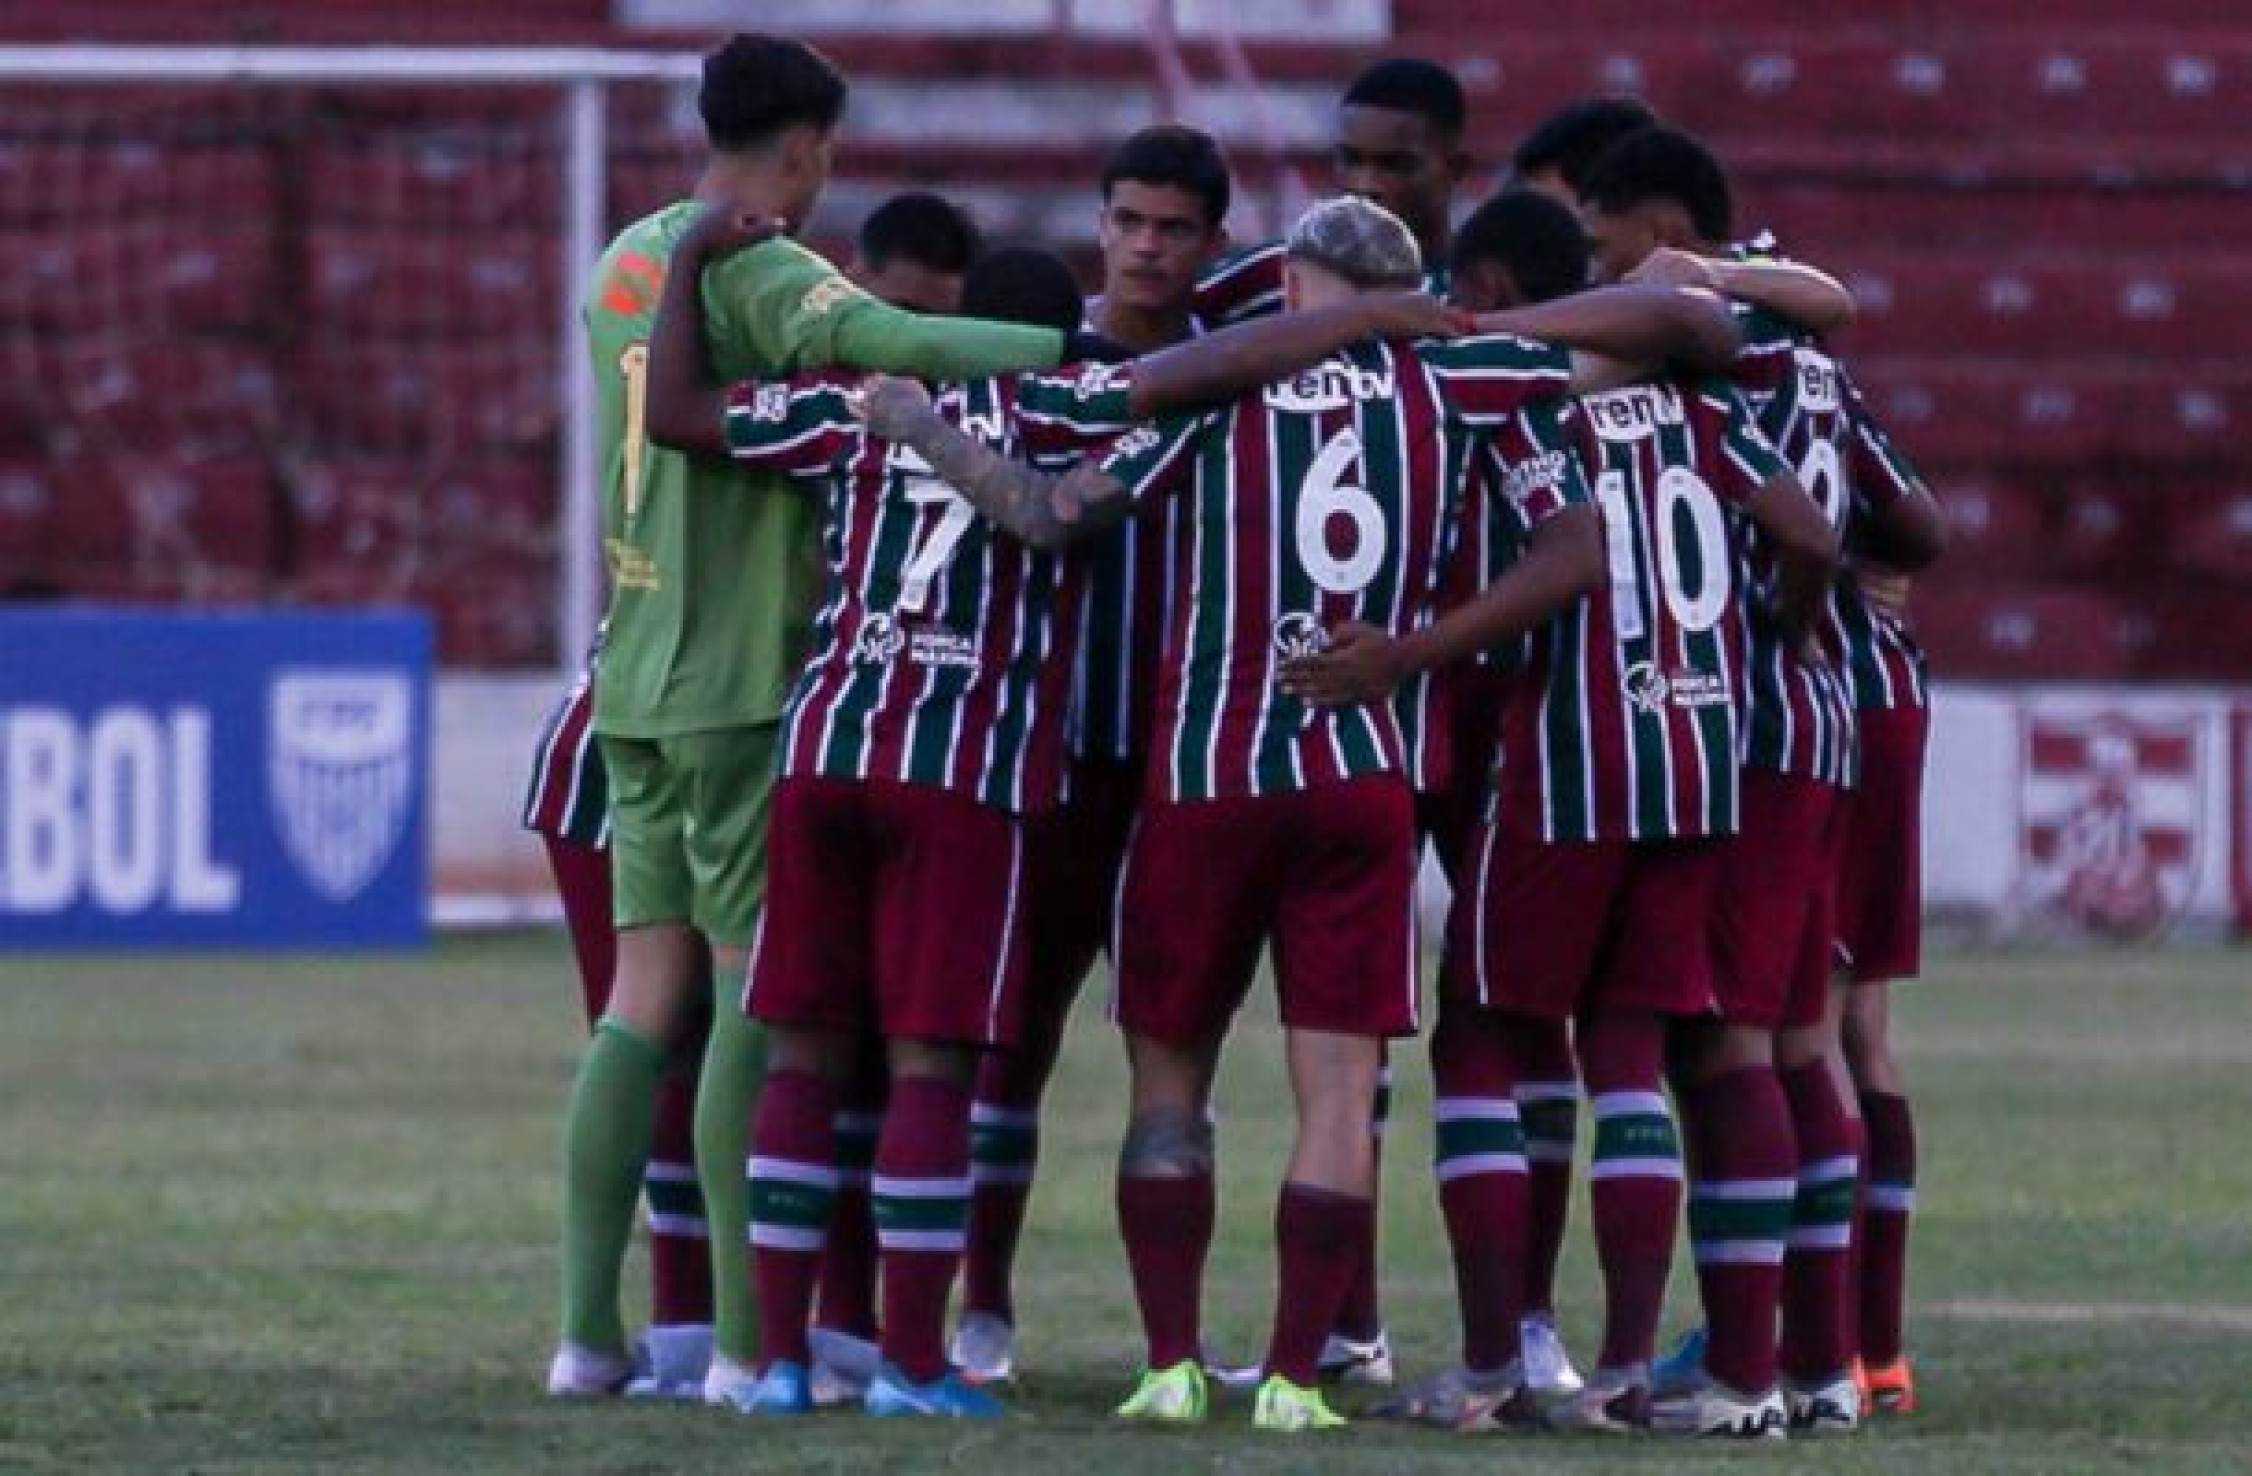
[(1804, 545), (1236, 360), (1041, 508), (1611, 328), (1562, 563), (1807, 296), (687, 409), (1900, 525)]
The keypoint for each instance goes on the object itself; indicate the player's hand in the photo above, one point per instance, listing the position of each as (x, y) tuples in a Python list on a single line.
[(722, 230), (1670, 267), (1415, 315), (1885, 590), (1362, 665), (891, 407)]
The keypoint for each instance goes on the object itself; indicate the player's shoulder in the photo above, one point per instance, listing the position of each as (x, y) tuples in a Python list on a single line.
[(1245, 261), (1494, 354)]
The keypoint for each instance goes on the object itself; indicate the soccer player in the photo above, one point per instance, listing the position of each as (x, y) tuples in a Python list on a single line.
[(1765, 1088), (1165, 195), (1555, 157), (566, 804), (713, 574), (1268, 820), (927, 723), (912, 251)]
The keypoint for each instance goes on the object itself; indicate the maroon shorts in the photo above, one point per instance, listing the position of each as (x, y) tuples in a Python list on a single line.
[(1554, 929), (1450, 817), (1072, 859), (1774, 922), (890, 907), (1328, 874), (1880, 886)]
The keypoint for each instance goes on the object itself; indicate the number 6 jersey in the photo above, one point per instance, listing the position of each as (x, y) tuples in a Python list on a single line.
[(1328, 497), (942, 652)]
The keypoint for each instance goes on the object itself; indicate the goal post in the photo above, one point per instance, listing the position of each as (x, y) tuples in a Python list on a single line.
[(581, 80)]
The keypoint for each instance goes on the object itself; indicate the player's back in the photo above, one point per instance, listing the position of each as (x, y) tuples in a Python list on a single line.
[(713, 571), (1628, 729)]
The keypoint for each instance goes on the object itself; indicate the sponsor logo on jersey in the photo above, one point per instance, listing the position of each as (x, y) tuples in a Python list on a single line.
[(1817, 379), (1300, 634), (1136, 442), (771, 403), (339, 773), (935, 645), (2113, 819), (1633, 414), (1096, 379), (1648, 689), (824, 296), (1534, 474), (1645, 687), (1331, 385), (880, 640)]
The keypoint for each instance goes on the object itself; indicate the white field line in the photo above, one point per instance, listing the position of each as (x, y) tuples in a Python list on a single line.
[(2179, 1314)]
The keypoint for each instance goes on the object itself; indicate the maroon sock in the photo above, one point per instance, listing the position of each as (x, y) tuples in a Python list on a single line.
[(680, 1248), (1480, 1163), (582, 881), (1739, 1216), (1319, 1236), (793, 1187), (1888, 1203), (1635, 1180), (1004, 1155), (1818, 1275), (1547, 1087), (922, 1198), (1361, 1316), (848, 1266), (1167, 1227)]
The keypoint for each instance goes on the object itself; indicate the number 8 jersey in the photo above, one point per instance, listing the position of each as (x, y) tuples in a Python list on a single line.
[(1325, 498), (1625, 726), (942, 652)]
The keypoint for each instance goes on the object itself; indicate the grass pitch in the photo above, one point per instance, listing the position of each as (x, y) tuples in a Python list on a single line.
[(300, 1216)]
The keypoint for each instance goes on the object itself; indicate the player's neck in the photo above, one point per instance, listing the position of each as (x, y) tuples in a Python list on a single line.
[(1141, 329), (744, 184)]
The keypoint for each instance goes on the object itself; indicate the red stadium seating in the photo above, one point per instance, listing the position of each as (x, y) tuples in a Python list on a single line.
[(442, 399), (2030, 632), (1967, 411), (1995, 525), (366, 515), (2209, 528), (413, 281), (437, 180), (2063, 307)]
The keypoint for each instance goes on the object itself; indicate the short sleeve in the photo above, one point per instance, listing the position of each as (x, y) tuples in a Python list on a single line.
[(1764, 364), (1879, 472), (1487, 379), (1242, 287), (1074, 409), (1747, 460), (1154, 460), (1537, 471), (799, 428)]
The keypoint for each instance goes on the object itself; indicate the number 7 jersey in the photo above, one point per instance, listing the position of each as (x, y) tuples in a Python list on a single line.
[(1325, 498)]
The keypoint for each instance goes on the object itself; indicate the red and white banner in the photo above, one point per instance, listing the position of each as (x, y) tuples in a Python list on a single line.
[(2111, 820)]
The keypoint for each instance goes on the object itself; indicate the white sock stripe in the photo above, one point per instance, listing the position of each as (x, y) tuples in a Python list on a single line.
[(1000, 1173), (1738, 1189), (922, 1240), (1632, 1104), (1894, 1197), (1829, 1170), (1474, 1109), (1548, 1091), (1384, 1077), (661, 1171), (888, 1187), (984, 1114), (1738, 1252), (1548, 1150), (1822, 1237), (1635, 1168), (692, 1226), (790, 1171), (787, 1237), (1469, 1165)]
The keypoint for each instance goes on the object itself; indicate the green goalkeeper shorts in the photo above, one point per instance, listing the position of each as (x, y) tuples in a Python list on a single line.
[(688, 829)]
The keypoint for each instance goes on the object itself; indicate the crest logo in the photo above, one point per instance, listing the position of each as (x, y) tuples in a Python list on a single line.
[(880, 640), (1646, 687), (2112, 814), (771, 403), (1300, 634), (340, 773)]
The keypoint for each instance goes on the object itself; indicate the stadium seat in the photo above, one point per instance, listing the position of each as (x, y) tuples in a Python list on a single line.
[(143, 392), (2046, 632), (2010, 305), (27, 508), (444, 399), (2107, 526), (413, 282), (437, 179), (2198, 633), (492, 610), (1995, 524), (2047, 413), (366, 513), (94, 523), (2209, 527), (1833, 219)]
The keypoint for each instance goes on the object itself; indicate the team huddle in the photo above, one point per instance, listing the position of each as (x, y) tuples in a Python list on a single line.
[(963, 630)]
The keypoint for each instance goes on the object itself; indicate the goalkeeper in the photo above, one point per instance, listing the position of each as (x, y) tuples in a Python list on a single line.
[(713, 575)]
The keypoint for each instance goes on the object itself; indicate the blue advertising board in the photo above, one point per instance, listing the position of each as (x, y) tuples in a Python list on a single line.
[(227, 780)]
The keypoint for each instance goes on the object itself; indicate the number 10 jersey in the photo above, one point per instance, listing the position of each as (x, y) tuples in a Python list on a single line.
[(1328, 497)]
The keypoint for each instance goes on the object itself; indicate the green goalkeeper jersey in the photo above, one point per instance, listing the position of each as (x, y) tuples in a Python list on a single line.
[(714, 571)]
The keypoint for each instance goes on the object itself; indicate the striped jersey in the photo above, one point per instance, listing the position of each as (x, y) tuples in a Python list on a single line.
[(1327, 497), (1798, 714), (1624, 726), (568, 796), (942, 650), (1883, 662)]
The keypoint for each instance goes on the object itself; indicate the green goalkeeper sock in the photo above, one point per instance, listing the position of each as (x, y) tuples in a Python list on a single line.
[(734, 1068), (605, 1151)]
